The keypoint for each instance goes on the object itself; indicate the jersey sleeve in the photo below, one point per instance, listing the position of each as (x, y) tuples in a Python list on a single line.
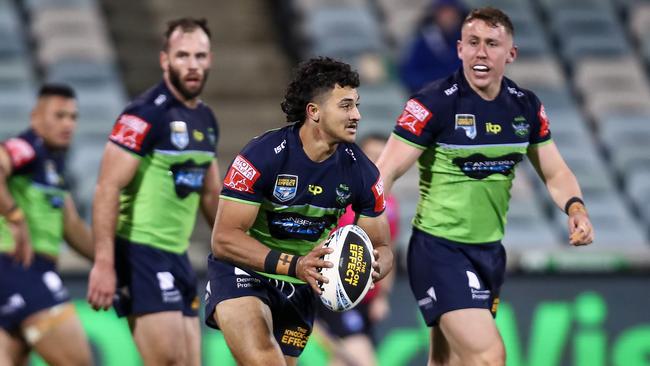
[(416, 124), (370, 202), (21, 152), (245, 179), (134, 130), (541, 131)]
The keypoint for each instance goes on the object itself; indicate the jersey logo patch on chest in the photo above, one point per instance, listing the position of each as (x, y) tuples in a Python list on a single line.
[(466, 122), (179, 136), (285, 188)]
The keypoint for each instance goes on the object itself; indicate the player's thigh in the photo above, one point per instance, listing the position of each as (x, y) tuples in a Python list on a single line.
[(472, 334), (13, 349), (59, 337), (291, 361), (192, 340), (247, 326), (359, 347), (160, 337)]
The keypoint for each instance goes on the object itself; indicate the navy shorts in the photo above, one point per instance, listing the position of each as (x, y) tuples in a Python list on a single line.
[(446, 275), (341, 324), (26, 291), (293, 306), (151, 280)]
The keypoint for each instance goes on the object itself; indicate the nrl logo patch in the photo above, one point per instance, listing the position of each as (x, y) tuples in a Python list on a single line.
[(468, 123), (521, 126), (179, 136), (286, 187)]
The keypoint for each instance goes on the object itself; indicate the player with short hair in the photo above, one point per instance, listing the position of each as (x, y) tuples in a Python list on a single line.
[(158, 168), (468, 132), (282, 196), (37, 215)]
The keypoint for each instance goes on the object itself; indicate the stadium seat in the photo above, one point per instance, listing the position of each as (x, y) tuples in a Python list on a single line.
[(622, 103), (638, 187), (536, 73), (611, 75), (342, 32), (588, 32)]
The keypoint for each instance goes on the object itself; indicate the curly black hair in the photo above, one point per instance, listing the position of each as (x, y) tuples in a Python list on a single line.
[(312, 78)]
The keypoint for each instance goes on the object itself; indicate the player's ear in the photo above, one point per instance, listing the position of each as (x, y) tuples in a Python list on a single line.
[(164, 60), (512, 54), (313, 112)]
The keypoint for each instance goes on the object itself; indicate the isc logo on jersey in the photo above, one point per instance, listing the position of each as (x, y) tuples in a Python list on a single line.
[(242, 175), (414, 117)]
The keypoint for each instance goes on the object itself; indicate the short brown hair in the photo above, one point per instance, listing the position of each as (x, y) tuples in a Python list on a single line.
[(187, 25), (492, 16)]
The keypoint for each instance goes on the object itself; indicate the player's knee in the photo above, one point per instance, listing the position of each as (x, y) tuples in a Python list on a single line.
[(79, 358), (493, 356), (172, 357), (265, 355)]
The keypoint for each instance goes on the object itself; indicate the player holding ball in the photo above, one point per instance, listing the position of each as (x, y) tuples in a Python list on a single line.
[(282, 196)]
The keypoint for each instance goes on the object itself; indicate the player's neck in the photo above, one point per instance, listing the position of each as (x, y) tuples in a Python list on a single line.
[(488, 93), (189, 103), (316, 145)]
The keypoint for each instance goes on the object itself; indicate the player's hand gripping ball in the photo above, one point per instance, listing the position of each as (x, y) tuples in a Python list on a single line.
[(350, 277)]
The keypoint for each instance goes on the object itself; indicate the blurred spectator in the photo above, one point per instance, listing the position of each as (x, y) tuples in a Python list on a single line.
[(432, 52)]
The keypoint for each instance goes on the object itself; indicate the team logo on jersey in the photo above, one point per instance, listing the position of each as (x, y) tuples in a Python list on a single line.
[(242, 175), (492, 128), (521, 126), (212, 136), (468, 123), (198, 135), (314, 189), (291, 225), (286, 186), (479, 166), (179, 135), (51, 176), (414, 117), (343, 194)]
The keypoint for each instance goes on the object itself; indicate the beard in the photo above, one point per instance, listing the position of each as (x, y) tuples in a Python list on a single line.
[(175, 79)]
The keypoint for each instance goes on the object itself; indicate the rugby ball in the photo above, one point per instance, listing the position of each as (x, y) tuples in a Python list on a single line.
[(351, 276)]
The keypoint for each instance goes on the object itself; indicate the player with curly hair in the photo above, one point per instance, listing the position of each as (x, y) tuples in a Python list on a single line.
[(281, 197)]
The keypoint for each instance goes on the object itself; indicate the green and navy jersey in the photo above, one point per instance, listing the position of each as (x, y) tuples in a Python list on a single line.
[(175, 145), (38, 187), (300, 200), (470, 149)]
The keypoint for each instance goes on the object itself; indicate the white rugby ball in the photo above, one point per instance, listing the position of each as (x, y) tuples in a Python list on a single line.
[(351, 276)]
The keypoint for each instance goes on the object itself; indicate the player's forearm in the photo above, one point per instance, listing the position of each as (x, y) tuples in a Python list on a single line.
[(237, 247), (105, 209), (6, 200), (209, 206), (562, 186), (77, 234)]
